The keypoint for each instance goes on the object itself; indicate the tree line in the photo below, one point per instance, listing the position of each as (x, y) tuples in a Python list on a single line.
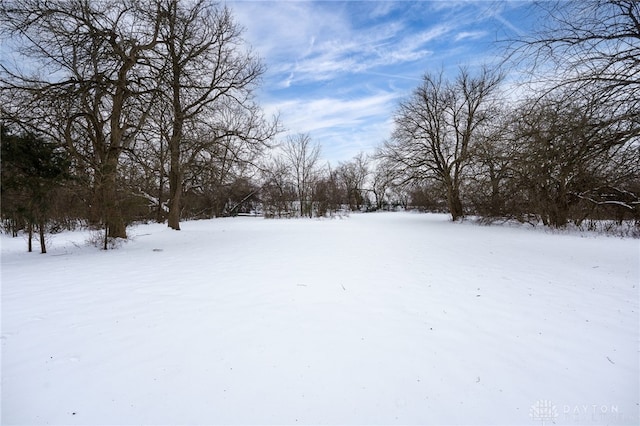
[(567, 149), (139, 96), (145, 110)]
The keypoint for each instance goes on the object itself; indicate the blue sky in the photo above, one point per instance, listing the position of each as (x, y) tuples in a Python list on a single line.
[(337, 69)]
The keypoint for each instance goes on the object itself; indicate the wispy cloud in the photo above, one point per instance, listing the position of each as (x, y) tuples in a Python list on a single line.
[(361, 52), (336, 69), (311, 115), (311, 41), (286, 29), (382, 9), (351, 123), (469, 35)]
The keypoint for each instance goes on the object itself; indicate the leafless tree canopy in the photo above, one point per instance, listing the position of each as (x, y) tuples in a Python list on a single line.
[(208, 78), (437, 127), (568, 151), (591, 45), (302, 158), (91, 87), (117, 81)]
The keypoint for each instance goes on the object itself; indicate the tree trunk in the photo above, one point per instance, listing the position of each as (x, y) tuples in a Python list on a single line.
[(559, 211), (454, 202), (113, 219), (43, 244), (301, 198), (30, 232), (175, 196), (175, 181)]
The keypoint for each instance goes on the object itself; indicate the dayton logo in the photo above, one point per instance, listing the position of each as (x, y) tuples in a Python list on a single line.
[(543, 411)]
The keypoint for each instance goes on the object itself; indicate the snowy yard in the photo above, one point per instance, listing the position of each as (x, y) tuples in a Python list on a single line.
[(391, 318)]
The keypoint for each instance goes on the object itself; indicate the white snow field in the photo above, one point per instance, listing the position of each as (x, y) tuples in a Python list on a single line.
[(389, 318)]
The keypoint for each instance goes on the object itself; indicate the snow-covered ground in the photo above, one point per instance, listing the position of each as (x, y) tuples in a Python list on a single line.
[(391, 318)]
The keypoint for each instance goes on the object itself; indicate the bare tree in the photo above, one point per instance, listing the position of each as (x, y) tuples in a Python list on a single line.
[(353, 175), (590, 46), (329, 193), (584, 60), (92, 88), (207, 70), (491, 182), (570, 156), (222, 152), (436, 127), (302, 157), (278, 190), (383, 179), (151, 155)]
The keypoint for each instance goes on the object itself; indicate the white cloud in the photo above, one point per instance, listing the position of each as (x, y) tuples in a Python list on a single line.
[(343, 127), (286, 29), (307, 115), (363, 51), (287, 81), (335, 69), (469, 35), (382, 8), (317, 41)]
